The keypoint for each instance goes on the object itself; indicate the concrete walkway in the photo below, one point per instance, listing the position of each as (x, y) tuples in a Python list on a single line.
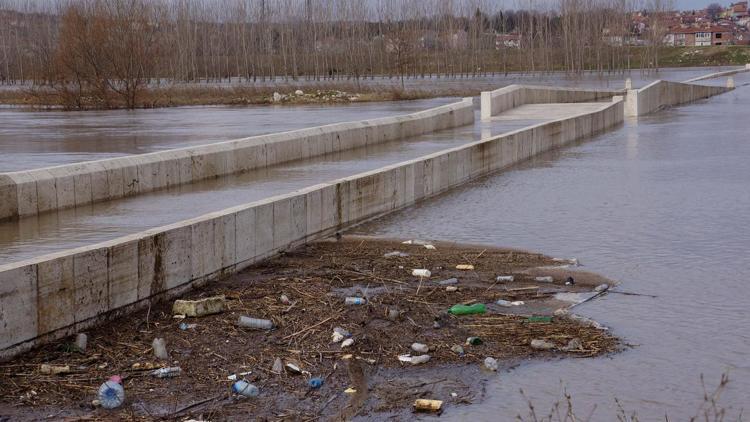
[(544, 112)]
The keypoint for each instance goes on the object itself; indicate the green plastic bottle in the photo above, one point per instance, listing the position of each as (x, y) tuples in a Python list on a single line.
[(477, 308)]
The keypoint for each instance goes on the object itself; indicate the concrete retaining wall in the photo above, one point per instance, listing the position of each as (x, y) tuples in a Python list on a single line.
[(35, 191), (511, 96), (720, 74), (660, 94), (55, 295)]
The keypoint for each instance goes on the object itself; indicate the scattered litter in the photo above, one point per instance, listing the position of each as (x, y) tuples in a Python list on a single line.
[(448, 281), (233, 377), (185, 326), (293, 369), (54, 369), (396, 254), (464, 267), (167, 372), (507, 303), (316, 382), (457, 349), (416, 360), (451, 288), (430, 247), (246, 389), (404, 358), (111, 395), (278, 366), (587, 321), (256, 323), (160, 348), (459, 309), (82, 341), (355, 301), (285, 300), (178, 316), (545, 279), (601, 287), (421, 273), (339, 334), (197, 308), (575, 298), (539, 319), (490, 363), (473, 341), (350, 390), (346, 343), (426, 405), (370, 361), (573, 344), (454, 395), (570, 281), (419, 347), (504, 278), (347, 356), (539, 344), (416, 242)]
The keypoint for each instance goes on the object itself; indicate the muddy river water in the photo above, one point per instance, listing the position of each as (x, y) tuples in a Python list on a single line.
[(660, 204)]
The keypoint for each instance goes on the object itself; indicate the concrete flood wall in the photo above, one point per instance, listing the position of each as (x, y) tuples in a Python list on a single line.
[(512, 96), (35, 191), (52, 296), (720, 74), (660, 94)]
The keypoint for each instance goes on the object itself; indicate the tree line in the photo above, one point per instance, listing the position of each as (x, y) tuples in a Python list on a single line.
[(118, 47)]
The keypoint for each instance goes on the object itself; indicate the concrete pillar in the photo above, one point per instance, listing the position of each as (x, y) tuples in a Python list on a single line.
[(486, 105), (628, 83), (747, 66), (730, 82)]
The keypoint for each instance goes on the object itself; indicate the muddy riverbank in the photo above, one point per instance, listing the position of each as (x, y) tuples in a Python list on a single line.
[(365, 378)]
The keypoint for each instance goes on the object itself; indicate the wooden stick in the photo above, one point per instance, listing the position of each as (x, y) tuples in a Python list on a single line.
[(310, 327)]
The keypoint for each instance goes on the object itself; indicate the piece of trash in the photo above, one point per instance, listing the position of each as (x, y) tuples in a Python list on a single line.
[(430, 247), (490, 363), (160, 348), (570, 281), (416, 360), (355, 301), (416, 242), (396, 254), (601, 287), (346, 343), (587, 321), (436, 325), (561, 312), (278, 366), (370, 361), (246, 389), (336, 337), (573, 344), (464, 267), (316, 382), (404, 358), (419, 347), (539, 344), (539, 319), (202, 307), (342, 331), (454, 395), (473, 341), (96, 403), (426, 405), (293, 369), (448, 282), (82, 341), (178, 316), (421, 272), (503, 278), (167, 372), (54, 369), (185, 326), (147, 365), (347, 356), (544, 279), (111, 395), (393, 314), (284, 299), (256, 323), (458, 349), (503, 302), (451, 288), (350, 390), (459, 309)]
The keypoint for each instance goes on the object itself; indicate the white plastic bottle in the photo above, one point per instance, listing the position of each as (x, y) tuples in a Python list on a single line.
[(246, 389), (111, 394)]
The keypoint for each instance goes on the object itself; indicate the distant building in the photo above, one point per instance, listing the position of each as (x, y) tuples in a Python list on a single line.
[(507, 41), (700, 36), (738, 10)]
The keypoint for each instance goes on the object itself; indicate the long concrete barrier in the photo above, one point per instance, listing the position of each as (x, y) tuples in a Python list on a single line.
[(719, 74), (512, 96), (660, 94), (26, 193), (52, 296)]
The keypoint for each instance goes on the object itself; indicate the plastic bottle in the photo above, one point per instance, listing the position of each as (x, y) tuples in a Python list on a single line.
[(160, 348), (355, 301), (111, 394), (316, 382), (448, 281), (421, 272), (490, 363), (260, 324), (544, 279), (419, 347), (167, 372), (81, 342), (474, 341), (501, 278), (246, 389), (477, 308), (416, 360)]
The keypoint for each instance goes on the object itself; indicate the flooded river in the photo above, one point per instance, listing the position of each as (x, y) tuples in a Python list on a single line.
[(661, 205)]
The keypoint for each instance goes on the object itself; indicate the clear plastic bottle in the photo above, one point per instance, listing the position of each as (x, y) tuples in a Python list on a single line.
[(246, 389), (261, 324), (167, 372), (355, 301), (111, 394)]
